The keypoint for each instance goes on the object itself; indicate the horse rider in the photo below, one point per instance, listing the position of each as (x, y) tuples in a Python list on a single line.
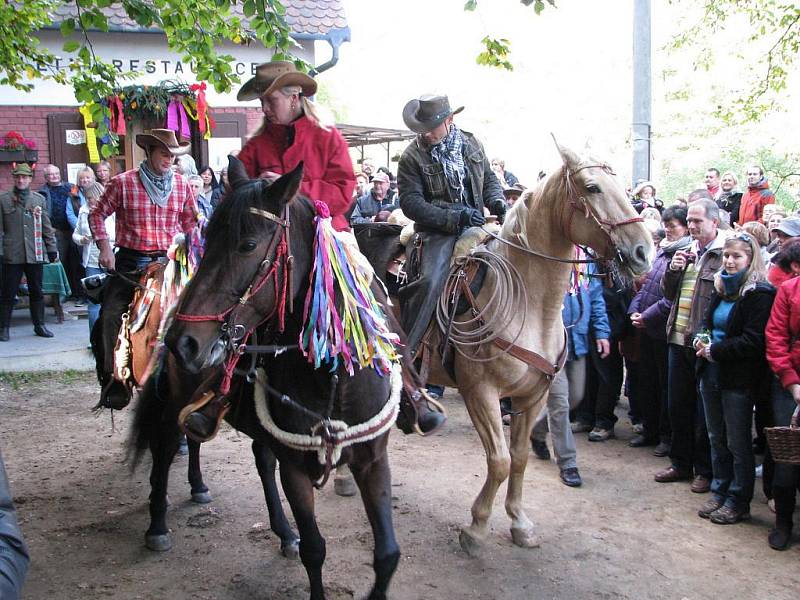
[(152, 204), (27, 240), (445, 183)]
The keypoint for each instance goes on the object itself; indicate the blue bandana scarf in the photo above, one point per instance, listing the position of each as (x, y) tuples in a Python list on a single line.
[(732, 284), (158, 187), (448, 153)]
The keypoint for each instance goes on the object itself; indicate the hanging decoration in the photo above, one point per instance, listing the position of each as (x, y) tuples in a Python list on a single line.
[(91, 137)]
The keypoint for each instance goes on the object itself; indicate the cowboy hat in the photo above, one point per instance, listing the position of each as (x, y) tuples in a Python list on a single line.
[(427, 112), (515, 189), (274, 75), (641, 185), (164, 138)]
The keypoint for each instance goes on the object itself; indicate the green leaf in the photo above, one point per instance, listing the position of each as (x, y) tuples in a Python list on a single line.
[(471, 5), (249, 8), (67, 27), (70, 46)]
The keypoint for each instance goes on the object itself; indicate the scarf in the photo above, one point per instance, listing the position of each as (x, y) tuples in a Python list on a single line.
[(670, 247), (158, 187), (21, 196), (448, 153), (732, 284)]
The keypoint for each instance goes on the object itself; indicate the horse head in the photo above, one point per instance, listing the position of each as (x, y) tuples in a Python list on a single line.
[(245, 278), (587, 206)]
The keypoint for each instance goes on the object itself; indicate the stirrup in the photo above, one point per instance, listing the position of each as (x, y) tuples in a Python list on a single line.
[(408, 420), (207, 399)]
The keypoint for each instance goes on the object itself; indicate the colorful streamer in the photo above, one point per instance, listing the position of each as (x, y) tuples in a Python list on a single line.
[(91, 139), (359, 334), (177, 119)]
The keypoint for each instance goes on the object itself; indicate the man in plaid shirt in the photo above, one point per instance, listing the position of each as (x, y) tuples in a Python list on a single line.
[(152, 205)]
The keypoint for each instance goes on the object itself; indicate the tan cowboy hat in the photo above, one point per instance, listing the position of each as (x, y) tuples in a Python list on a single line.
[(274, 75), (427, 112), (164, 138)]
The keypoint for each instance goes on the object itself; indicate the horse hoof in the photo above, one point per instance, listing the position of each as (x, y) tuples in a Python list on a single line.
[(291, 550), (525, 538), (201, 497), (470, 543), (345, 486), (158, 543)]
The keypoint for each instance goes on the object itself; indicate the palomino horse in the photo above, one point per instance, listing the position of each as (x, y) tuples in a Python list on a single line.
[(256, 267), (513, 341)]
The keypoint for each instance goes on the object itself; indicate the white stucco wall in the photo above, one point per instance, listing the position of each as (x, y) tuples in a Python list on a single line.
[(147, 55)]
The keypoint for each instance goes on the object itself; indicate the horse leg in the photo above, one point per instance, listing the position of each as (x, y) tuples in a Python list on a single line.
[(522, 529), (300, 494), (163, 449), (484, 410), (375, 482), (265, 464), (200, 493)]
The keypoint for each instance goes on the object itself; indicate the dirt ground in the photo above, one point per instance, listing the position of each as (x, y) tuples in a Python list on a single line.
[(619, 536)]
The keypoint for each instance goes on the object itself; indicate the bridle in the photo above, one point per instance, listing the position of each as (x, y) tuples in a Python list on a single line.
[(576, 204), (277, 267)]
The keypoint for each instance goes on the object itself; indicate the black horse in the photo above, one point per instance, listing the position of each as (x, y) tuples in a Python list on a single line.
[(254, 276)]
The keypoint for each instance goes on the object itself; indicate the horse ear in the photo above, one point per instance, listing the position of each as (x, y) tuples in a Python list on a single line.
[(237, 175), (568, 156), (286, 187)]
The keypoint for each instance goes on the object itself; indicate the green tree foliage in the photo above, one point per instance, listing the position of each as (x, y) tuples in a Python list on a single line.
[(771, 28), (194, 29)]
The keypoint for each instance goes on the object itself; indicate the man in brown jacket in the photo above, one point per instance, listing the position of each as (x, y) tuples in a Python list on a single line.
[(689, 282), (26, 241)]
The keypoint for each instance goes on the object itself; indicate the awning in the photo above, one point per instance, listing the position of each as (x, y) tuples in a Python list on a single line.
[(358, 135)]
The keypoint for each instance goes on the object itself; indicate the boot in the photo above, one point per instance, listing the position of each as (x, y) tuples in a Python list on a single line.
[(415, 410), (5, 320), (784, 507), (37, 316)]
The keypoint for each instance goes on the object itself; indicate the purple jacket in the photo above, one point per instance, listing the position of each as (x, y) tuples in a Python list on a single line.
[(650, 300)]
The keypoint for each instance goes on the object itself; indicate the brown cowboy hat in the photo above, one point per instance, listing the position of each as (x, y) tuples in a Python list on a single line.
[(274, 75), (427, 112), (162, 137)]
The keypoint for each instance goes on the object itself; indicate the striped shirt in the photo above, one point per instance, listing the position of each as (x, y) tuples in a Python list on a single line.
[(684, 305), (141, 224)]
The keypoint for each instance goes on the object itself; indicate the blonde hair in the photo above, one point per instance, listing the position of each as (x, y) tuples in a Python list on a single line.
[(754, 273), (90, 171), (93, 190), (307, 107), (758, 231)]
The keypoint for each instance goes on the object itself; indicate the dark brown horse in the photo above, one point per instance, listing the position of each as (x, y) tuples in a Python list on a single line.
[(258, 258)]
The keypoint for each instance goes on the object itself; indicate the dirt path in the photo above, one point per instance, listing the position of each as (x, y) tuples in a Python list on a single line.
[(619, 536)]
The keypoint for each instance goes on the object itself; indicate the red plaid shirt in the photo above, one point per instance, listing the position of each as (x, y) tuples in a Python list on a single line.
[(141, 224)]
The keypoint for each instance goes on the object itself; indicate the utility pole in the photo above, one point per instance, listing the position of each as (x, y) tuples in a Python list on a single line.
[(642, 90)]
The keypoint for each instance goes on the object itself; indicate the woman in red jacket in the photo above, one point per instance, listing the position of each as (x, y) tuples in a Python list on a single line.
[(783, 354), (291, 133)]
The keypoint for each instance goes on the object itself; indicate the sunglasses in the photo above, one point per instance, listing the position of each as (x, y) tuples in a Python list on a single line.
[(744, 237)]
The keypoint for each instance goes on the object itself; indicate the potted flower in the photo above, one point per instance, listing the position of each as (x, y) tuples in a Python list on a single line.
[(16, 148)]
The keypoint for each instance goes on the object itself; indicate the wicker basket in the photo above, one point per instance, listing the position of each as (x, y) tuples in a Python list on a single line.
[(784, 442)]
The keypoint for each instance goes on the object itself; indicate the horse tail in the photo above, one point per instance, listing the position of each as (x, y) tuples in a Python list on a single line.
[(96, 340), (148, 415)]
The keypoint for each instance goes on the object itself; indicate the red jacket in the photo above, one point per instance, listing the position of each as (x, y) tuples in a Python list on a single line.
[(327, 168), (783, 333), (753, 202)]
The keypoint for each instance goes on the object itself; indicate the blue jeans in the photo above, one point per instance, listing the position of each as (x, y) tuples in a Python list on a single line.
[(729, 416), (92, 309)]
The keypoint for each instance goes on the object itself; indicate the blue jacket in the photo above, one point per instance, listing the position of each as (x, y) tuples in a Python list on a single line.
[(585, 312), (57, 198)]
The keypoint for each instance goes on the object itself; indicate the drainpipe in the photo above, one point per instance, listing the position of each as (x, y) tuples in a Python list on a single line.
[(334, 37)]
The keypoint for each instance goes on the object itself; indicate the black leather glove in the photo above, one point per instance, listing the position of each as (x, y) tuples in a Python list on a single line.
[(471, 217), (52, 256), (498, 207)]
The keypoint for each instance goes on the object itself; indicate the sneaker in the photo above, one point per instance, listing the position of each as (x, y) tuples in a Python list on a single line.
[(728, 515), (571, 477), (638, 428), (599, 434), (540, 449), (580, 427), (710, 506), (662, 449)]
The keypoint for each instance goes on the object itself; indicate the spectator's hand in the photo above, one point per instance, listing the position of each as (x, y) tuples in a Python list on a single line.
[(678, 262), (637, 320), (52, 257), (106, 259), (603, 348), (471, 218), (382, 216), (86, 240)]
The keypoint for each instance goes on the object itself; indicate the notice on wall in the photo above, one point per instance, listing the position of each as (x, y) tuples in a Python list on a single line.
[(75, 137), (218, 150), (72, 172)]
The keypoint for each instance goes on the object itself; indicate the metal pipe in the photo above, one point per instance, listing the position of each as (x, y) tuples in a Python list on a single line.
[(641, 125)]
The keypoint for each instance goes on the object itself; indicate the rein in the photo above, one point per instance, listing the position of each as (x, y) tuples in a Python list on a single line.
[(277, 258)]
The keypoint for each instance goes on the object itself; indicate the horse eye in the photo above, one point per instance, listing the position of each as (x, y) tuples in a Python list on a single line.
[(592, 189), (247, 246)]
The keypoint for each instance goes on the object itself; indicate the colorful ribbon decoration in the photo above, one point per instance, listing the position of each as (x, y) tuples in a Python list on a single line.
[(117, 125), (177, 119), (206, 125), (360, 334), (202, 105), (91, 139)]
